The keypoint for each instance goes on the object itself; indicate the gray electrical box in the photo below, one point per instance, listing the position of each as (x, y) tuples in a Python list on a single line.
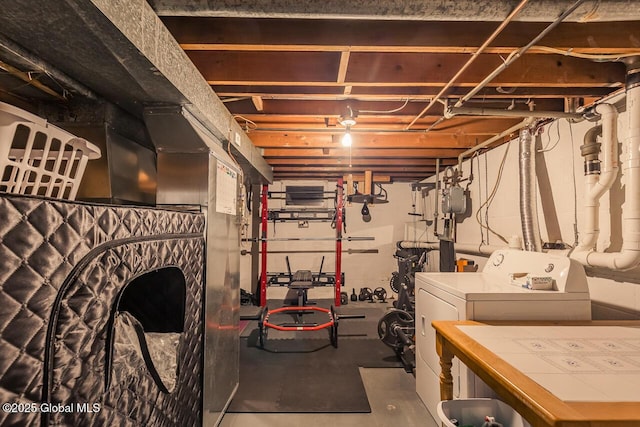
[(454, 200)]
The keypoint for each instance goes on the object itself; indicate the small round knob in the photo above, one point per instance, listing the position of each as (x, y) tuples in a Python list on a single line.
[(498, 260)]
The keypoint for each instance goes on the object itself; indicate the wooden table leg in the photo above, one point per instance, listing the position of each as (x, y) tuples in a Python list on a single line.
[(446, 360)]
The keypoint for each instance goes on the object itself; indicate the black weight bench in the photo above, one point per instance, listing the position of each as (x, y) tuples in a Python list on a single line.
[(301, 281)]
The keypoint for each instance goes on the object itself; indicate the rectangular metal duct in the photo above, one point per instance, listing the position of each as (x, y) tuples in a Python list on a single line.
[(194, 170)]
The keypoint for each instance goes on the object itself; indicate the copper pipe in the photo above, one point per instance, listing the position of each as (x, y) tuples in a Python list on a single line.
[(471, 60)]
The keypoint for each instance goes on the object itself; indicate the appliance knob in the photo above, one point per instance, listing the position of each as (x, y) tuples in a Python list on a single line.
[(549, 268), (498, 260)]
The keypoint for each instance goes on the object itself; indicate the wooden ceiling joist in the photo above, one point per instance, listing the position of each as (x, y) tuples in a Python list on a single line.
[(380, 35), (373, 68), (291, 79), (369, 140), (411, 161), (360, 152), (399, 93)]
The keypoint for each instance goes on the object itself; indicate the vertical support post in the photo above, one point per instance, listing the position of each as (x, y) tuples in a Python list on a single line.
[(263, 267), (256, 219), (339, 212), (446, 362)]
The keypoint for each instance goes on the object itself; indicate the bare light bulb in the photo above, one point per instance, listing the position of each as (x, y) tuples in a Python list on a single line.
[(346, 139)]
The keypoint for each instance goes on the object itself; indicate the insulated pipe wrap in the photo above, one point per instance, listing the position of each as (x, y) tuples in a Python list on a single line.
[(528, 201)]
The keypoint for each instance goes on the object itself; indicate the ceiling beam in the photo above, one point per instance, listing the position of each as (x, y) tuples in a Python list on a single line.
[(345, 169), (302, 162), (378, 35), (361, 152), (456, 125), (388, 93), (396, 177), (257, 102), (375, 69), (378, 109), (399, 140)]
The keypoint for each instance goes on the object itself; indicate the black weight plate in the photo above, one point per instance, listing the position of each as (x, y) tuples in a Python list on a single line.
[(344, 298), (394, 282), (262, 330), (333, 329), (392, 319), (380, 294)]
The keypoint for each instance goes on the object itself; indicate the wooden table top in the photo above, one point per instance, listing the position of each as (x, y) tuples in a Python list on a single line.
[(535, 403)]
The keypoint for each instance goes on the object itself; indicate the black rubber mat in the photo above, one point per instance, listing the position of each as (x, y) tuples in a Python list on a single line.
[(307, 375)]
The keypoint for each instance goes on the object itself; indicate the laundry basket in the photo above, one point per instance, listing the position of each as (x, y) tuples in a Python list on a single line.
[(472, 412), (37, 158)]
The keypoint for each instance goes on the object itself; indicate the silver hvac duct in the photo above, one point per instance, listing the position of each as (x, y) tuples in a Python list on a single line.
[(195, 171), (528, 202)]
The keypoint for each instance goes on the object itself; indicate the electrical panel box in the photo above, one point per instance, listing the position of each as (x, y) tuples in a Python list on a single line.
[(454, 200)]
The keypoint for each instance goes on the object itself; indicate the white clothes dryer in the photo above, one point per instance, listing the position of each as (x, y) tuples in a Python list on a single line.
[(496, 293)]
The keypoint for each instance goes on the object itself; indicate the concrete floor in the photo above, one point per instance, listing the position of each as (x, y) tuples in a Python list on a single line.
[(391, 394)]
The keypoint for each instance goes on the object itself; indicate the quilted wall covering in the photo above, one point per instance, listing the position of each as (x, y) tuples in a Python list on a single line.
[(64, 268)]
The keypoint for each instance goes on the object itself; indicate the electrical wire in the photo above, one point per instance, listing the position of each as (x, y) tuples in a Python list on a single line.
[(387, 111), (491, 196), (591, 56), (253, 126), (575, 190), (547, 148), (486, 186), (482, 239)]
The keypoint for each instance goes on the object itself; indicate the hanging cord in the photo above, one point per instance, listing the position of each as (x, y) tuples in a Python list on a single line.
[(491, 196), (248, 124), (592, 56), (547, 148), (575, 188), (486, 189), (395, 110), (482, 239), (382, 192)]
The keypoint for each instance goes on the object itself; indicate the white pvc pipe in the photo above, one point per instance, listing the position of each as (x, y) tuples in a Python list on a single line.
[(629, 255), (597, 185), (466, 248)]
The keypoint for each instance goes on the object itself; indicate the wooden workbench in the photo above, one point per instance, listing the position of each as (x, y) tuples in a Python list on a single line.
[(570, 406)]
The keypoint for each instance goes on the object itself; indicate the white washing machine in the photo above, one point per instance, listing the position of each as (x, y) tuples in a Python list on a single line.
[(496, 293)]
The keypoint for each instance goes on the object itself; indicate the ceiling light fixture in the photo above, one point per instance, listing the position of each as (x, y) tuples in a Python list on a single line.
[(348, 120)]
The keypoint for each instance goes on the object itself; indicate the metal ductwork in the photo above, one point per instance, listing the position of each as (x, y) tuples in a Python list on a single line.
[(140, 64), (194, 170), (437, 10), (528, 200)]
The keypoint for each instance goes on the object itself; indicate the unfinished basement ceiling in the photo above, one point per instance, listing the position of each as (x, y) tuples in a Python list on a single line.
[(289, 70)]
